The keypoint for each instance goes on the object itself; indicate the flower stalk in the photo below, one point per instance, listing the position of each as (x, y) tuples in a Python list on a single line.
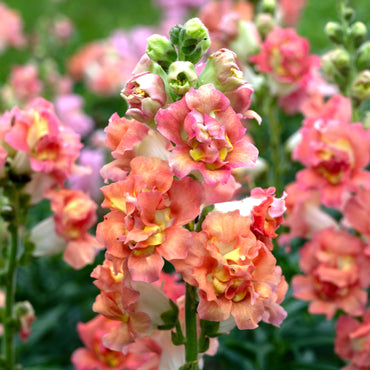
[(9, 320)]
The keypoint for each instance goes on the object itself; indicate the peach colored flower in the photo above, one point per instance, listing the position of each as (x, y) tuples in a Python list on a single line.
[(74, 215), (335, 154), (334, 274), (138, 306), (353, 341), (235, 272), (143, 354), (265, 210), (148, 209), (208, 136)]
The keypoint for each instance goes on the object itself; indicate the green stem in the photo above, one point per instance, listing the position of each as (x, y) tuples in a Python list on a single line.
[(191, 343), (278, 162), (10, 290)]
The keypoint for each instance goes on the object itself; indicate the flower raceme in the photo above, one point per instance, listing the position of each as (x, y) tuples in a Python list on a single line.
[(208, 136)]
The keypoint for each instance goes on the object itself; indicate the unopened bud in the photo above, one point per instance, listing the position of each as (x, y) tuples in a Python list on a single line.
[(363, 56), (361, 86), (341, 61), (7, 212), (174, 34), (264, 23), (268, 6), (336, 64), (182, 76), (193, 41), (358, 33), (348, 14), (160, 50), (335, 32)]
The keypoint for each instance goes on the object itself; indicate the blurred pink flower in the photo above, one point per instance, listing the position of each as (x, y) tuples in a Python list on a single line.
[(11, 28), (69, 109)]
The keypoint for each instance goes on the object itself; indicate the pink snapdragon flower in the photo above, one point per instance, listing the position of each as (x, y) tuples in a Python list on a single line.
[(290, 11), (147, 216), (208, 136), (52, 147), (11, 28), (104, 64), (285, 56), (235, 272), (357, 214), (335, 154), (24, 83), (353, 341), (142, 355), (74, 215), (335, 274)]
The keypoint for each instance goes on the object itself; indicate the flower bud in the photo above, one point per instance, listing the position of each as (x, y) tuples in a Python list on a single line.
[(145, 93), (160, 50), (348, 14), (193, 40), (268, 6), (264, 23), (341, 60), (358, 33), (363, 56), (335, 32), (174, 34), (182, 76), (222, 71), (361, 86), (26, 315)]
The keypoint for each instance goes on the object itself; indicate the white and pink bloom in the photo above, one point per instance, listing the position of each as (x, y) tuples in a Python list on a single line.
[(208, 135)]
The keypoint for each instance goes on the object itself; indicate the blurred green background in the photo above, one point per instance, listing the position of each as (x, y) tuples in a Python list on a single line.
[(62, 296)]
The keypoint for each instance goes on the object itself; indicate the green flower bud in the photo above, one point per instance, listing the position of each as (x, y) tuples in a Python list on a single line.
[(358, 33), (174, 34), (341, 61), (363, 56), (349, 14), (182, 76), (264, 23), (268, 6), (336, 64), (193, 40), (160, 50), (361, 86), (335, 32)]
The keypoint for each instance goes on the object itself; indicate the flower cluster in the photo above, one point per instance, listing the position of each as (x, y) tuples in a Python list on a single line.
[(173, 158)]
